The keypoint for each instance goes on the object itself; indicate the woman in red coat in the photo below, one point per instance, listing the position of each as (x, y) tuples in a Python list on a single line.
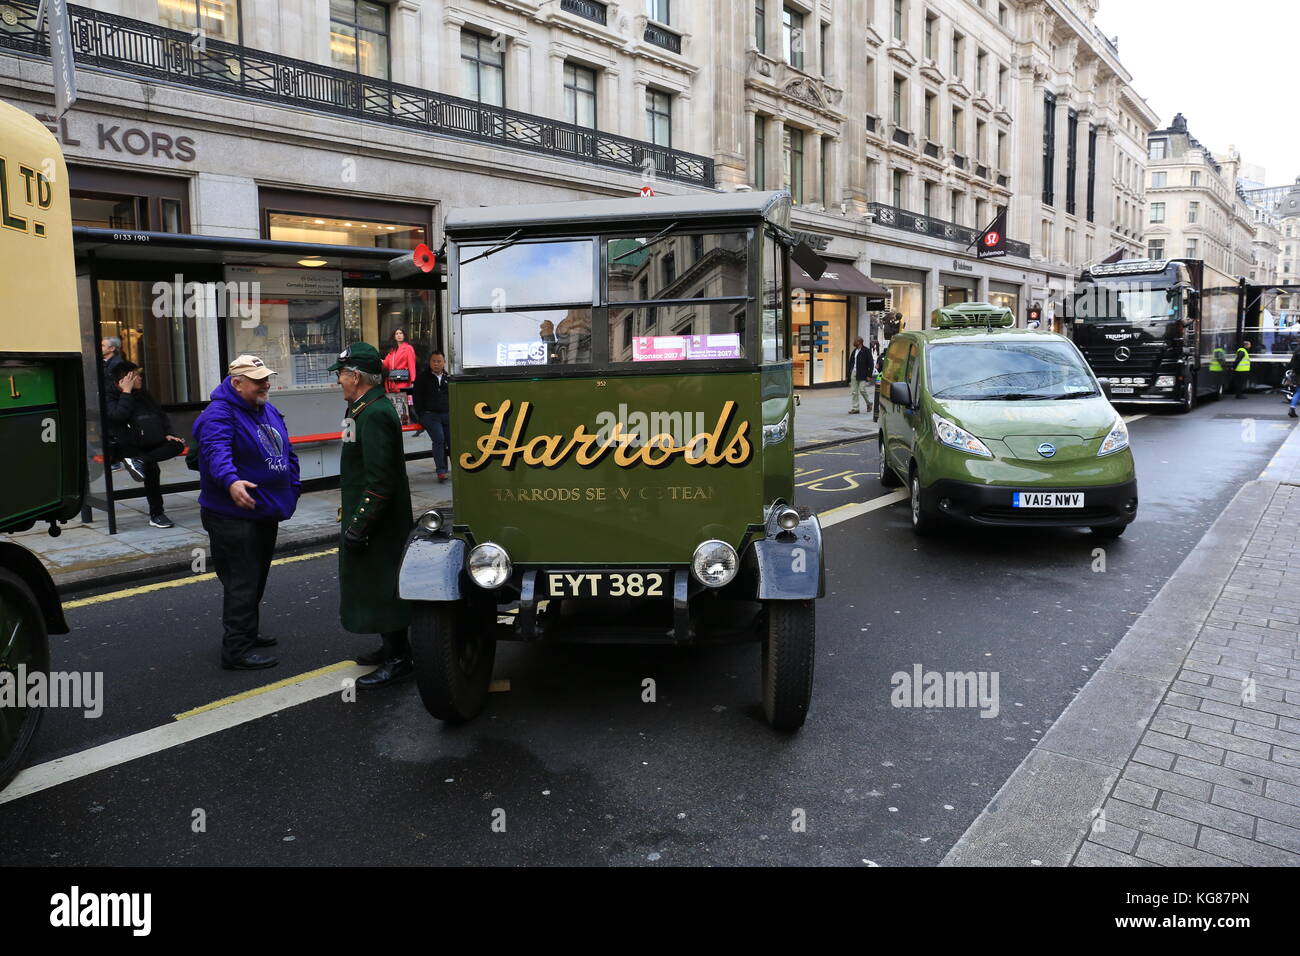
[(399, 373)]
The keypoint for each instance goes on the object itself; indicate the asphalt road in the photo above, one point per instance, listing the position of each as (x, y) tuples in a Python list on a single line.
[(571, 759)]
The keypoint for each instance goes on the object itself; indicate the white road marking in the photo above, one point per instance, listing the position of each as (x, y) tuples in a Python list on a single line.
[(1133, 418), (858, 509), (240, 711)]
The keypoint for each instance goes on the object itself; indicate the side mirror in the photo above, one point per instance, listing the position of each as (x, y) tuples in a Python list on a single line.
[(900, 393)]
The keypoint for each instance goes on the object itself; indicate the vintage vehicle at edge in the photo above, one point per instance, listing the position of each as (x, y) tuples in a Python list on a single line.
[(622, 415), (1149, 328), (42, 407)]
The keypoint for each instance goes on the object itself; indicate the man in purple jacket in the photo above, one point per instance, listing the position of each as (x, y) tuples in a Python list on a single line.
[(248, 484)]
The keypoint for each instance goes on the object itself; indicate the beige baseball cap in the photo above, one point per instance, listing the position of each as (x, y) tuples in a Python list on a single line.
[(250, 366)]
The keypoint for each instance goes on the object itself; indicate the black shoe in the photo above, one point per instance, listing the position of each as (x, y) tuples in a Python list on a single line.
[(1290, 412), (250, 662), (265, 642), (854, 411), (377, 656), (389, 672), (160, 520), (134, 467)]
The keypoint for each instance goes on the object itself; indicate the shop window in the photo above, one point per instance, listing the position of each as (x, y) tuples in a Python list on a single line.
[(218, 19), (106, 199), (336, 231), (359, 37)]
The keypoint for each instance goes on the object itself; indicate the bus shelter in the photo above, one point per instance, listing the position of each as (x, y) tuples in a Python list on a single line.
[(183, 306)]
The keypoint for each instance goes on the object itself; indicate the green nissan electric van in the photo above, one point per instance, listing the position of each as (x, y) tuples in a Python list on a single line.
[(987, 424)]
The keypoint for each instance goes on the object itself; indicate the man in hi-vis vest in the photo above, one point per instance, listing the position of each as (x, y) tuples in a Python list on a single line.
[(1218, 363), (1241, 370)]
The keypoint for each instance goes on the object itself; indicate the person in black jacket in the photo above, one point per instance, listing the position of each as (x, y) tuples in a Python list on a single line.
[(433, 411), (862, 374), (140, 435)]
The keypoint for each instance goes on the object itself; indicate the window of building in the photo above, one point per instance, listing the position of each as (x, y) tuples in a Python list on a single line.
[(823, 50), (760, 153), (981, 71), (359, 37), (659, 117), (828, 145), (760, 25), (1155, 249), (1196, 178), (931, 28), (1046, 239), (900, 95), (980, 130), (1157, 212), (980, 221), (1002, 85), (1193, 211), (956, 130), (794, 163), (1193, 248), (931, 133), (898, 20), (1067, 253), (1092, 175), (1159, 180), (899, 188), (657, 10), (580, 95), (1049, 148), (955, 66), (928, 199), (483, 67), (1071, 159), (1002, 14), (954, 207), (792, 36), (1157, 149), (218, 19)]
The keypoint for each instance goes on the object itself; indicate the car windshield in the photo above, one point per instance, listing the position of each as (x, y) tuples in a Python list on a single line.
[(1007, 371), (1116, 303)]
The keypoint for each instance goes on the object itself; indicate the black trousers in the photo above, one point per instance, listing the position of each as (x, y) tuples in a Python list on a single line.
[(241, 555), (152, 474), (1239, 382)]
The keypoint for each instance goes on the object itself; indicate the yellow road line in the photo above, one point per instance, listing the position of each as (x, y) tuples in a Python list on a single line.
[(298, 679), (179, 582)]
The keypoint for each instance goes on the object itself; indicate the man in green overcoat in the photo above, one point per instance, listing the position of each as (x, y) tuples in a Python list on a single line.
[(376, 516)]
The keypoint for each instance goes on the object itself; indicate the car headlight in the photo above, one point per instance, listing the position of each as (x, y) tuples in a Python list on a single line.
[(715, 563), (1116, 439), (488, 565), (959, 438), (430, 521)]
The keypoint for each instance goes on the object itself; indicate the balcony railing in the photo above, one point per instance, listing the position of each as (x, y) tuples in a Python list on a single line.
[(140, 49), (588, 9), (661, 37), (891, 217)]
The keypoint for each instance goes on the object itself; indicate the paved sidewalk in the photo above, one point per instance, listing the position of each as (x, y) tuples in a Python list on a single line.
[(86, 555), (1184, 747)]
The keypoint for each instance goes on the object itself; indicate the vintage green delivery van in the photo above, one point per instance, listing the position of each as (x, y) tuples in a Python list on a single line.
[(986, 424)]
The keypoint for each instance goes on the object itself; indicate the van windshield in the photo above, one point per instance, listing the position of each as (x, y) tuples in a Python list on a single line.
[(1007, 371)]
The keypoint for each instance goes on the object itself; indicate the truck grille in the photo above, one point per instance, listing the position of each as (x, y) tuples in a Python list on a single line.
[(1142, 360)]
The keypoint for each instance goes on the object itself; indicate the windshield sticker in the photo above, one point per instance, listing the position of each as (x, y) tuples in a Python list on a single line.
[(521, 353), (724, 346), (677, 348)]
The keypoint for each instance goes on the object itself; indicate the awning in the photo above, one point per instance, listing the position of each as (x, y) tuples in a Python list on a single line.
[(840, 278)]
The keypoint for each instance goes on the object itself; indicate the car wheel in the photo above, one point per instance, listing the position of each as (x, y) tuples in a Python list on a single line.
[(23, 641), (923, 521), (453, 649), (1188, 401), (789, 646), (1110, 531), (887, 477)]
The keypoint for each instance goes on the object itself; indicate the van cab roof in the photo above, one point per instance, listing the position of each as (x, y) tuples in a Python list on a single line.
[(929, 336)]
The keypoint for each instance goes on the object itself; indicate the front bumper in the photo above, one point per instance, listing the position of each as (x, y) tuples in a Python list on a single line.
[(976, 504)]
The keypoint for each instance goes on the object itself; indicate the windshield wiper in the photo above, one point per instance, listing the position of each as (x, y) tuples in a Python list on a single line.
[(505, 243), (647, 244), (1088, 394), (1013, 397)]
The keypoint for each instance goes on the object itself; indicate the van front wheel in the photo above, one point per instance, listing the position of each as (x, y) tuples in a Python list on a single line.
[(454, 650), (887, 477), (789, 645), (923, 522)]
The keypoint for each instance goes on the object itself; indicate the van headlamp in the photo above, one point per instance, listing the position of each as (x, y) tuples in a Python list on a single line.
[(430, 521), (1115, 440), (956, 437), (488, 565), (715, 563)]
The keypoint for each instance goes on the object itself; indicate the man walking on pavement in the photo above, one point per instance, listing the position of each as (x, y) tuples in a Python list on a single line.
[(248, 484), (1241, 370), (862, 372), (433, 411), (375, 516)]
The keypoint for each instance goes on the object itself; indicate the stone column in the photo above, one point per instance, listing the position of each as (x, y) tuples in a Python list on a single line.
[(685, 136), (557, 84), (449, 70), (776, 153), (812, 155), (752, 159), (612, 115), (405, 52), (519, 66)]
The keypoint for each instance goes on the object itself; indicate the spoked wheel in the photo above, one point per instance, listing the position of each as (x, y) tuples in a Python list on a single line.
[(454, 649), (789, 644), (23, 642)]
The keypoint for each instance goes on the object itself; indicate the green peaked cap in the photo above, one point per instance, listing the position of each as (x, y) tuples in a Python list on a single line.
[(359, 355)]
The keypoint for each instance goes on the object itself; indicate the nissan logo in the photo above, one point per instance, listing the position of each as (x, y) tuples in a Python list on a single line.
[(1047, 449), (1122, 354)]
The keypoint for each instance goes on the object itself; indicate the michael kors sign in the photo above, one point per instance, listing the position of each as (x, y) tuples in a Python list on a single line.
[(119, 138)]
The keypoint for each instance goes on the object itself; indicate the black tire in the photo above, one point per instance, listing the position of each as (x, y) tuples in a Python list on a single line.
[(923, 521), (453, 650), (789, 646), (1111, 531), (20, 619), (1188, 401), (887, 477)]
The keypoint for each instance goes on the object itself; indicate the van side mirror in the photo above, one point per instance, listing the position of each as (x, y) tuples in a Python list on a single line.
[(900, 393)]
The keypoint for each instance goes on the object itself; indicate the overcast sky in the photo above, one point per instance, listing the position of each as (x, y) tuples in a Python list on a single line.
[(1229, 67)]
